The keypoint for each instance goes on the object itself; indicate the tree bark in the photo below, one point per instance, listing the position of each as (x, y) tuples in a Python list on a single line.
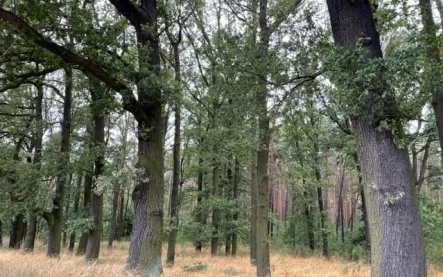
[(98, 117), (76, 207), (199, 209), (176, 159), (395, 228), (215, 209), (38, 146), (253, 243), (235, 199), (263, 262), (55, 218), (17, 232), (145, 249), (87, 196)]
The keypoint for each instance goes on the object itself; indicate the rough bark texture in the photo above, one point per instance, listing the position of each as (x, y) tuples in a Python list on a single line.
[(395, 228), (98, 117), (146, 240), (170, 256), (55, 218), (263, 262)]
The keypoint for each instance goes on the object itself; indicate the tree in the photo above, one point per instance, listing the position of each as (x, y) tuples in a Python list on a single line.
[(395, 230)]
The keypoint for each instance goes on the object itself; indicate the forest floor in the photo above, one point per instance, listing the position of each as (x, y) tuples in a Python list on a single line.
[(188, 263)]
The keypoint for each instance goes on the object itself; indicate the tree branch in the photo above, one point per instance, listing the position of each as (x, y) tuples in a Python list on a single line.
[(129, 101)]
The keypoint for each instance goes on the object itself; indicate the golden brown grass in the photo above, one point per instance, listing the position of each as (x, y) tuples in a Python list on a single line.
[(111, 264)]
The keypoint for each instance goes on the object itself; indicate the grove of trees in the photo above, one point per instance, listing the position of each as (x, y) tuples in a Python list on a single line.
[(310, 127)]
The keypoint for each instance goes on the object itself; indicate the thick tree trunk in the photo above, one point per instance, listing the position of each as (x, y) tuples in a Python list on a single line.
[(96, 229), (176, 163), (309, 220), (145, 249), (55, 218), (395, 228)]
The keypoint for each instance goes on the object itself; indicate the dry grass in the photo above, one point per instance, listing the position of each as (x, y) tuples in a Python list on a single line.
[(111, 264)]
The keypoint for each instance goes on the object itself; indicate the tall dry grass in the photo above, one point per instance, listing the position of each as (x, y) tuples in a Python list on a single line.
[(111, 264)]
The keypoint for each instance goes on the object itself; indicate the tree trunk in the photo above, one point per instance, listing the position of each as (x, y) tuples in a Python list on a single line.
[(38, 146), (87, 196), (76, 206), (215, 209), (198, 246), (121, 218), (55, 218), (17, 231), (113, 231), (176, 162), (253, 243), (322, 210), (235, 199), (96, 230), (395, 228), (309, 220), (145, 249)]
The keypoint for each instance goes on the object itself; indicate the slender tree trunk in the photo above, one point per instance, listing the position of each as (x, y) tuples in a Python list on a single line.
[(96, 229), (323, 215), (76, 207), (1, 234), (87, 196), (121, 218), (38, 146), (309, 220), (253, 246), (395, 228), (176, 161), (235, 199), (215, 209), (198, 246), (113, 231), (55, 218)]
